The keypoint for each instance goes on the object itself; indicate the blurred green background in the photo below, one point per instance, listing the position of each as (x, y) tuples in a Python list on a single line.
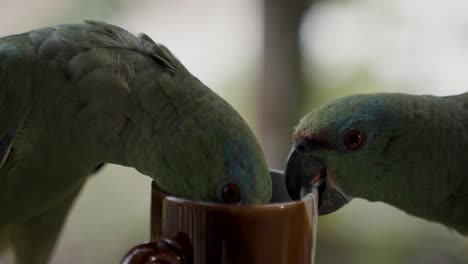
[(274, 60)]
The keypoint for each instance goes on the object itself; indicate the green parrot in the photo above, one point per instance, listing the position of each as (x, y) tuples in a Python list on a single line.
[(75, 96), (405, 150)]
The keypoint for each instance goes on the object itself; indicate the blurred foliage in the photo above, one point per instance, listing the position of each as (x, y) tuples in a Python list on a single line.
[(240, 90), (324, 87)]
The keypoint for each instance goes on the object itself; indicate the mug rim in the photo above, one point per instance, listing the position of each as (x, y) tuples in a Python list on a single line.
[(205, 204)]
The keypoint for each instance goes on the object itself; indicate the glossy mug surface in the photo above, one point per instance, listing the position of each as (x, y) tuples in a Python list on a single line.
[(184, 231)]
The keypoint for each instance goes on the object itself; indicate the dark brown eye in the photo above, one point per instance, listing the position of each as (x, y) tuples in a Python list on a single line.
[(353, 139), (231, 193)]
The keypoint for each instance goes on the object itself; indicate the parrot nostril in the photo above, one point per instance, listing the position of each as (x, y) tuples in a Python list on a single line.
[(301, 146)]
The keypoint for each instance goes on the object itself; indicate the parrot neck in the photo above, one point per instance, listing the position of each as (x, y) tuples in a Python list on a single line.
[(453, 213), (161, 131)]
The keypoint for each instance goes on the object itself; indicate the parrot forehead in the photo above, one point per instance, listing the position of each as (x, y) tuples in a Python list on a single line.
[(321, 138)]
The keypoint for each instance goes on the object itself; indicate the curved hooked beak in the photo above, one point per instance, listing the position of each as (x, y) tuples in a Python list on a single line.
[(304, 171)]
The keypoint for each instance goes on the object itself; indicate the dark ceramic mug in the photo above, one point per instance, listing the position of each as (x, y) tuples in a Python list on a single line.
[(189, 232)]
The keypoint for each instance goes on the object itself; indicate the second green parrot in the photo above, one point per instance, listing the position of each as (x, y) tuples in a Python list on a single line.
[(405, 150)]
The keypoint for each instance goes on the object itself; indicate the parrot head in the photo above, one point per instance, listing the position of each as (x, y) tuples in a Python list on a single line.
[(347, 144), (170, 126), (205, 150), (216, 165)]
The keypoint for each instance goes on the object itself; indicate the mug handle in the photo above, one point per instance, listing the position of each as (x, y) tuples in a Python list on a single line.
[(173, 250)]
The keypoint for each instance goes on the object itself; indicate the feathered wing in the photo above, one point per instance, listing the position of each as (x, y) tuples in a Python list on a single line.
[(15, 93), (55, 66)]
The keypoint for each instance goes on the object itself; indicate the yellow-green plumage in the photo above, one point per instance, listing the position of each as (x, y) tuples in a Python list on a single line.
[(413, 155), (76, 96)]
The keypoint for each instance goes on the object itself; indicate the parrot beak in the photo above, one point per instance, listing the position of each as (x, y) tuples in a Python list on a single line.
[(305, 171)]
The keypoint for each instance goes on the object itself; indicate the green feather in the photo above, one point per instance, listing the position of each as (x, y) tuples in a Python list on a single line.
[(413, 155), (80, 95)]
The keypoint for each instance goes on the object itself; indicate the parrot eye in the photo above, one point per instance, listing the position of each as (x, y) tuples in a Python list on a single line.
[(231, 193), (353, 139)]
